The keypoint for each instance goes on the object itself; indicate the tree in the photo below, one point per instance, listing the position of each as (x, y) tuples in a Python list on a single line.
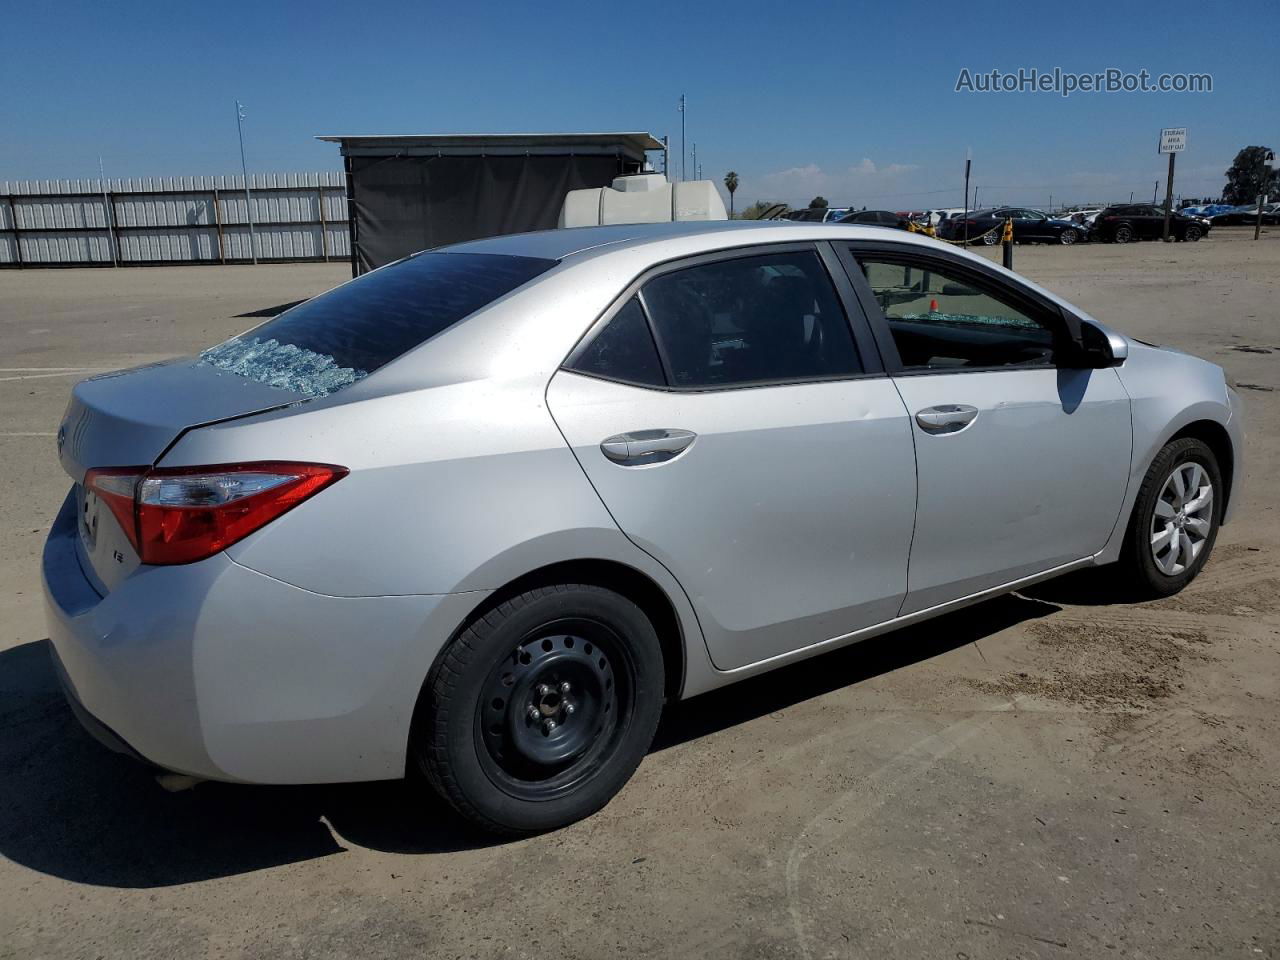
[(754, 211), (1248, 177), (731, 184), (818, 202)]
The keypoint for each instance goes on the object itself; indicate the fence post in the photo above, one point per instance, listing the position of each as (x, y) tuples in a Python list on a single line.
[(324, 227), (114, 227), (17, 239), (217, 222)]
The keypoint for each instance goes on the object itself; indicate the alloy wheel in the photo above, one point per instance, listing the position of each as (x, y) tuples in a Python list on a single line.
[(1124, 235), (1183, 518)]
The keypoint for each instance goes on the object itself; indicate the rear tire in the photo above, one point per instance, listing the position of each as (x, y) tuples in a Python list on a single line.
[(1123, 234), (539, 712), (1175, 519), (1068, 237)]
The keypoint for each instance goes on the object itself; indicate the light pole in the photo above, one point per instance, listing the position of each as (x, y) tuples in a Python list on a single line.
[(244, 169), (683, 141)]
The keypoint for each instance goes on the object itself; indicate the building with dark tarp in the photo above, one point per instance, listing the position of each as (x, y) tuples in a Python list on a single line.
[(411, 193)]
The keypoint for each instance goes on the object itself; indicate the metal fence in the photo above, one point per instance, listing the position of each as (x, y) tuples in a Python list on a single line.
[(173, 220)]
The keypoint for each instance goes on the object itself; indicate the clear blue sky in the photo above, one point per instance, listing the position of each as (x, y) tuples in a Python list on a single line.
[(852, 100)]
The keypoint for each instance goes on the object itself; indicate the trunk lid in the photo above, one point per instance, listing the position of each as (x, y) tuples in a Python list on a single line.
[(129, 419)]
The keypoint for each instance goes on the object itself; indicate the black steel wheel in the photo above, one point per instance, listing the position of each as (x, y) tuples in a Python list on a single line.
[(541, 708), (554, 707)]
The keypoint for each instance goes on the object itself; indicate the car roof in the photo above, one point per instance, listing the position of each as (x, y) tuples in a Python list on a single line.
[(574, 242)]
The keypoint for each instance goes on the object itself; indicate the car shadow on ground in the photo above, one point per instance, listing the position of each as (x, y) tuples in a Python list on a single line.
[(74, 810)]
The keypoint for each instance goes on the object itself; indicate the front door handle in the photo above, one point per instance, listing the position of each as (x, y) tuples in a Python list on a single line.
[(946, 418), (641, 447)]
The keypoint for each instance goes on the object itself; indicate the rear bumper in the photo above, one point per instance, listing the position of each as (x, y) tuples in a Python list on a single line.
[(215, 670)]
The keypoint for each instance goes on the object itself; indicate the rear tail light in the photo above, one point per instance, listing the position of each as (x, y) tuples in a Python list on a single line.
[(184, 514)]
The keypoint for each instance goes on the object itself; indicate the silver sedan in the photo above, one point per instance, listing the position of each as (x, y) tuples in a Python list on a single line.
[(480, 513)]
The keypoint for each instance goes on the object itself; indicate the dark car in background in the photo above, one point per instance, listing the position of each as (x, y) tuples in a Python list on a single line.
[(1126, 222), (1029, 226), (815, 214), (877, 218)]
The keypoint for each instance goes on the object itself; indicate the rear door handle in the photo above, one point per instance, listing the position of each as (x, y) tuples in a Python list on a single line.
[(641, 447), (946, 418)]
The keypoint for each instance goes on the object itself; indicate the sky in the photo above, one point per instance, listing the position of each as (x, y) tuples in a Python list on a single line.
[(852, 101)]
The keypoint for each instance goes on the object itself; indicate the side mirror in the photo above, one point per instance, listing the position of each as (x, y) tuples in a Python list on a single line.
[(1100, 348)]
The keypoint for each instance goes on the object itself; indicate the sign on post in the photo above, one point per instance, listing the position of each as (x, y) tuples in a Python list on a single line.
[(1173, 140)]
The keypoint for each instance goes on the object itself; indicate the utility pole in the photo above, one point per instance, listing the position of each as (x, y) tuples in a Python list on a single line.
[(683, 141), (695, 160), (666, 158), (248, 197), (968, 162), (1051, 204), (1168, 196)]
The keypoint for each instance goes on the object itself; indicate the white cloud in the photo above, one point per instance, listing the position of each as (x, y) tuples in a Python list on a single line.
[(853, 184)]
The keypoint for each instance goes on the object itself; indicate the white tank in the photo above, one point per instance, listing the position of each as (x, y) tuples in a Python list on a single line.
[(642, 198)]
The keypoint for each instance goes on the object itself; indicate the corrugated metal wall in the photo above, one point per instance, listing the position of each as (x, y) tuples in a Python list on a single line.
[(296, 216)]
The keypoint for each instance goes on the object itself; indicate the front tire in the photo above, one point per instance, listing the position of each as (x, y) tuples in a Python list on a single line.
[(1175, 519), (1191, 234), (539, 712)]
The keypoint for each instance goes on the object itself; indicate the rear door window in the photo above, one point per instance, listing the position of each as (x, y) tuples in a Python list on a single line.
[(351, 331), (624, 350), (768, 318)]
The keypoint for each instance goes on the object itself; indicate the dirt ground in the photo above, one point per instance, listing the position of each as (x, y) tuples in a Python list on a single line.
[(1055, 774)]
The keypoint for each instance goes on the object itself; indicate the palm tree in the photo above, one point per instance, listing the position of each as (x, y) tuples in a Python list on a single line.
[(731, 184)]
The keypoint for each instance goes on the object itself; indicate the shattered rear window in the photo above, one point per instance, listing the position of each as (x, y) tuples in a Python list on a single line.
[(344, 335)]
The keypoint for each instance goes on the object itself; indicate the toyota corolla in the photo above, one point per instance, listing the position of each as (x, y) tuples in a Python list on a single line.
[(480, 513)]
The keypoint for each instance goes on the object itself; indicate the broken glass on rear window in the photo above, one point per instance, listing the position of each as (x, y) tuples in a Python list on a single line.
[(344, 335)]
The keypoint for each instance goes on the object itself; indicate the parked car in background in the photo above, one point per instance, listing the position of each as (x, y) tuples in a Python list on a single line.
[(1245, 215), (877, 218), (1083, 217), (1029, 226), (815, 214), (937, 216), (1124, 223)]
